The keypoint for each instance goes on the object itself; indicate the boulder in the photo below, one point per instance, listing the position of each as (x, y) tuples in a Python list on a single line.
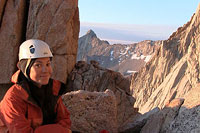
[(91, 77), (92, 111)]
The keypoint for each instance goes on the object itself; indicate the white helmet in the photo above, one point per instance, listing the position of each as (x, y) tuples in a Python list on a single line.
[(33, 48)]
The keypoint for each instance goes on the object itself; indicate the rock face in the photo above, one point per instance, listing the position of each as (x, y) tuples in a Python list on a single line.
[(56, 22), (92, 111), (91, 77), (170, 81), (125, 59), (12, 15), (172, 72)]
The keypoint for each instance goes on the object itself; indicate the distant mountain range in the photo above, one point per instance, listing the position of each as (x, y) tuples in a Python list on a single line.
[(124, 58)]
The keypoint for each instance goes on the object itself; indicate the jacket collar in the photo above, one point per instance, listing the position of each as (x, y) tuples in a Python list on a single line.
[(24, 85)]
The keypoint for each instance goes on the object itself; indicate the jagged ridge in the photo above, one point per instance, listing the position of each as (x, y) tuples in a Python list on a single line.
[(172, 72), (118, 57)]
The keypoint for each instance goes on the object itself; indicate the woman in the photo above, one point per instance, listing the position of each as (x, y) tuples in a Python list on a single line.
[(33, 103)]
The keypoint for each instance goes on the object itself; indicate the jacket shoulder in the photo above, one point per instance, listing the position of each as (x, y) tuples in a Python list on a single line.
[(58, 88), (16, 91)]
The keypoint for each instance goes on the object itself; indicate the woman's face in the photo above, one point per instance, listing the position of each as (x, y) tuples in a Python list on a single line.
[(41, 71)]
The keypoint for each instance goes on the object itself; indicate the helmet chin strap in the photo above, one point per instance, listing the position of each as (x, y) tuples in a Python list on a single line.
[(27, 65)]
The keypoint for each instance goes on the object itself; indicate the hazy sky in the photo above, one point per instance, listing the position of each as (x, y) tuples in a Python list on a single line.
[(134, 20)]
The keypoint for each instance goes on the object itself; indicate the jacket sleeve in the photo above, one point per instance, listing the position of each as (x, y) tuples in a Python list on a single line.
[(63, 115), (52, 128), (3, 128), (12, 113)]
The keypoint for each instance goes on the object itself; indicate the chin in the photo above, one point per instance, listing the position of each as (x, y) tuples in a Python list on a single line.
[(44, 82)]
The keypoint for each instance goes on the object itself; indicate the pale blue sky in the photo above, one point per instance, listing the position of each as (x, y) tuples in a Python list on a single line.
[(138, 19)]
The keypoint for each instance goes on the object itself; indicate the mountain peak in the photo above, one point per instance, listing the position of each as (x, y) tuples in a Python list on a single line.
[(198, 8), (91, 33), (197, 13)]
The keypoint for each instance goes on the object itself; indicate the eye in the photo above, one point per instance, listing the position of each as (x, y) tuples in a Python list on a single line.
[(37, 65), (49, 64)]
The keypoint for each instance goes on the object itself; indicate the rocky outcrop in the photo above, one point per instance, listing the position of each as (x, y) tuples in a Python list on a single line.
[(56, 22), (170, 81), (138, 123), (172, 72), (125, 59), (93, 78), (92, 111), (160, 122), (187, 118), (179, 115)]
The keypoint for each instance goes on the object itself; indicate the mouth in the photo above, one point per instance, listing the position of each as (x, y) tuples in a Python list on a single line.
[(44, 76)]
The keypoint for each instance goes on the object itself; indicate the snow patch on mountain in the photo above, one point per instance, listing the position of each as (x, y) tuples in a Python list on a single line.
[(142, 57)]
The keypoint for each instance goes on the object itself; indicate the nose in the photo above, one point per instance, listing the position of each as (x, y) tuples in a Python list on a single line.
[(44, 69)]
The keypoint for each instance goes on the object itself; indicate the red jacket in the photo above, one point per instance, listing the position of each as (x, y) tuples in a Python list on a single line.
[(21, 115)]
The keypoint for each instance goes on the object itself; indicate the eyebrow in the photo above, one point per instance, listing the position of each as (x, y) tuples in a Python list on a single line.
[(37, 61)]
